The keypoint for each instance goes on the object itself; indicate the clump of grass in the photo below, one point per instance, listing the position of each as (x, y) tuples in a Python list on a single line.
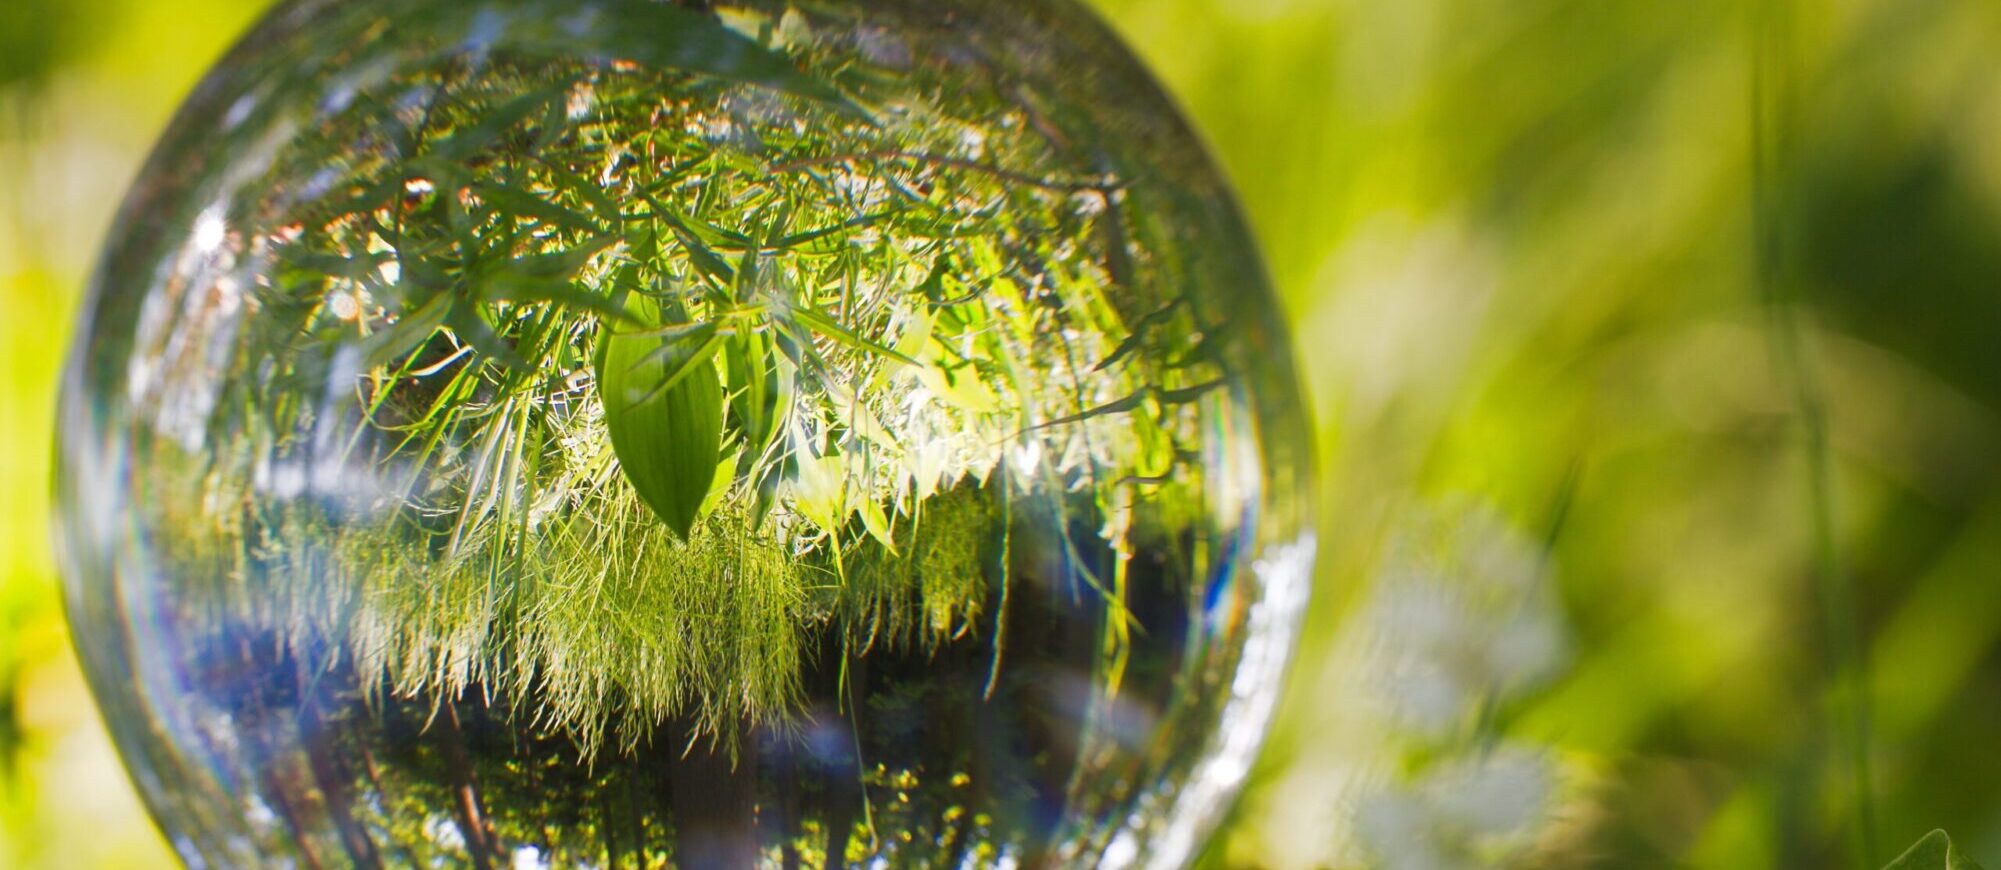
[(708, 628), (931, 588)]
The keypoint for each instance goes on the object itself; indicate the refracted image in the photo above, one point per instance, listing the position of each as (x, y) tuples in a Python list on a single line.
[(607, 434)]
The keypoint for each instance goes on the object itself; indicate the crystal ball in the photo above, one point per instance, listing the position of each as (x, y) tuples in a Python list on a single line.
[(541, 433)]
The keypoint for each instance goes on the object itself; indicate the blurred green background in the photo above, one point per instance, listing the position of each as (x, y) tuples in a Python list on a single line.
[(1656, 354)]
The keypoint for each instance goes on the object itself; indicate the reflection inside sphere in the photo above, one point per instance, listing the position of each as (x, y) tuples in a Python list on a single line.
[(552, 434)]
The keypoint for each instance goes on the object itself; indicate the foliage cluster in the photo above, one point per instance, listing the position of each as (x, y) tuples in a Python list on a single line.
[(604, 383)]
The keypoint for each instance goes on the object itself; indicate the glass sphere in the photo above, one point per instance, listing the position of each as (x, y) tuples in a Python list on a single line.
[(597, 434)]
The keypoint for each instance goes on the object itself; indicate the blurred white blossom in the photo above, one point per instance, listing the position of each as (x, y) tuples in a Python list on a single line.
[(1409, 770), (1465, 813), (1462, 617)]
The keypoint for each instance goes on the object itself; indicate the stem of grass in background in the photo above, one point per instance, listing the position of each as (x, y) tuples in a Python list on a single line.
[(1772, 108)]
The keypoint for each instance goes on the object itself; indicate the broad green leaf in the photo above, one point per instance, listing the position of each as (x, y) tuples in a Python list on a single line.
[(767, 479), (1143, 397), (663, 406), (1933, 852), (678, 331), (681, 222), (682, 362), (933, 285), (781, 220)]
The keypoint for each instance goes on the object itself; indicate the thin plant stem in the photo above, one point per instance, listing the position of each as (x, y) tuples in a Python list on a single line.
[(1772, 108)]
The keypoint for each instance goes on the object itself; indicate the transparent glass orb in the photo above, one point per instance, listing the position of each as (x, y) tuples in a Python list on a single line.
[(599, 434)]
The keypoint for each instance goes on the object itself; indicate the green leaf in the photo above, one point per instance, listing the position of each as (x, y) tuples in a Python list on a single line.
[(706, 340), (754, 389), (854, 414), (475, 138), (877, 523), (601, 203), (466, 321), (1155, 454), (411, 330), (663, 406), (961, 387), (336, 266), (719, 486), (831, 328), (817, 491), (1934, 852), (913, 335), (644, 243), (746, 273), (515, 287), (563, 264), (683, 223), (671, 37), (553, 126), (523, 204), (704, 258), (1138, 337)]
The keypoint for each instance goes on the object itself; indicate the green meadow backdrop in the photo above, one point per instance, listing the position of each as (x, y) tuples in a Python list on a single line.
[(1655, 354)]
